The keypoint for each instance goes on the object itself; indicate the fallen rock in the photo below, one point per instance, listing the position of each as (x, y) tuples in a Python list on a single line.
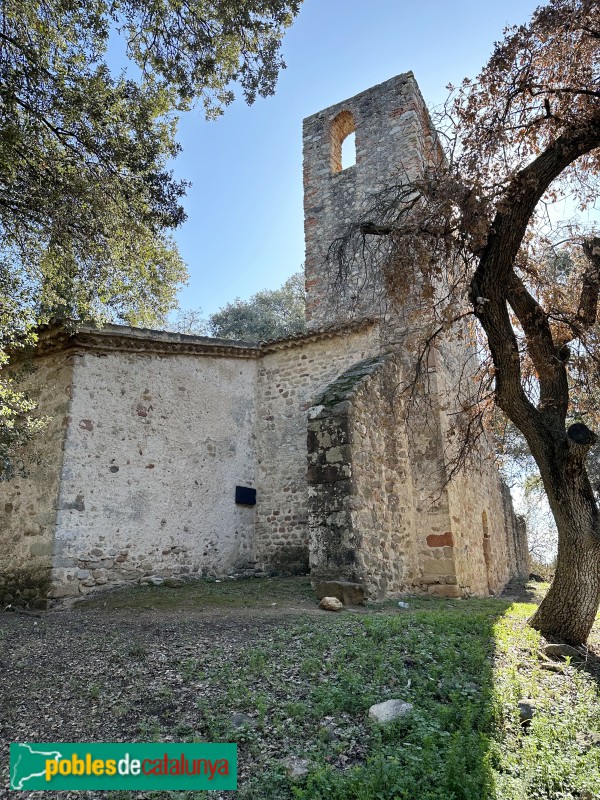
[(239, 720), (295, 767), (153, 580), (350, 594), (527, 709), (389, 710), (331, 604), (563, 651)]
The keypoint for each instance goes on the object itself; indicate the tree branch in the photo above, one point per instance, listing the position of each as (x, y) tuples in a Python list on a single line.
[(590, 289), (547, 359), (490, 284)]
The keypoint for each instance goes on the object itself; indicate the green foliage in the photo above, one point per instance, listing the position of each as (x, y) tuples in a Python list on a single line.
[(270, 314), (555, 759), (87, 200)]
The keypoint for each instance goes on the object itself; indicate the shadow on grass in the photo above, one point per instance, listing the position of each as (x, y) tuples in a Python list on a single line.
[(591, 666), (436, 656), (305, 684), (589, 663), (528, 591)]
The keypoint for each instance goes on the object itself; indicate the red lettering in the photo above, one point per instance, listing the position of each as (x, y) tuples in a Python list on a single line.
[(223, 768), (155, 769), (212, 769)]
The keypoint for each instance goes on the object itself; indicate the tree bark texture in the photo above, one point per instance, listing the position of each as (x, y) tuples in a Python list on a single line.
[(569, 609)]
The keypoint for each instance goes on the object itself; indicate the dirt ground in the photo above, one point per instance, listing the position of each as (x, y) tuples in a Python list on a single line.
[(125, 666), (140, 665)]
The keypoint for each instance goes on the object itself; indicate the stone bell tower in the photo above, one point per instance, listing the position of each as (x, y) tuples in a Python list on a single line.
[(393, 141)]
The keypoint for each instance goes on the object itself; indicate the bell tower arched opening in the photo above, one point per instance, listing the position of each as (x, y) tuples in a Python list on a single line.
[(343, 145)]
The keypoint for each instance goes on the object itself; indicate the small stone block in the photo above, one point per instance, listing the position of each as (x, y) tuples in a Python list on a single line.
[(389, 710), (331, 604), (296, 768), (445, 590), (527, 709), (439, 566), (440, 539), (563, 651)]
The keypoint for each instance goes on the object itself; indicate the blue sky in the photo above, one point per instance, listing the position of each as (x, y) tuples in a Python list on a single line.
[(245, 221)]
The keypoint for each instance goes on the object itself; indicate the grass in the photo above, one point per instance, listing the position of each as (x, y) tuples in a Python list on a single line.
[(307, 680), (557, 758), (209, 594), (463, 665)]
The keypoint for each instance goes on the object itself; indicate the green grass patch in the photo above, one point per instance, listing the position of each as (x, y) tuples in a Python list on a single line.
[(307, 682), (204, 593)]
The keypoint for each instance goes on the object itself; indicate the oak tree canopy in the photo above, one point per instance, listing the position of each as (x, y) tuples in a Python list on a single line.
[(87, 199)]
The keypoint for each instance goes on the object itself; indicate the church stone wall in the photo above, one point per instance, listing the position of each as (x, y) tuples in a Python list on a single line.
[(479, 548), (478, 525), (393, 141), (491, 544), (384, 511), (151, 432), (290, 376), (155, 447), (381, 510), (361, 494), (28, 506)]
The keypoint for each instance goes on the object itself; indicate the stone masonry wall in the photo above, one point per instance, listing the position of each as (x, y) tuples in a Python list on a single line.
[(433, 539), (393, 140), (516, 535), (290, 376), (28, 505), (483, 560), (477, 538), (155, 447), (483, 545), (361, 494)]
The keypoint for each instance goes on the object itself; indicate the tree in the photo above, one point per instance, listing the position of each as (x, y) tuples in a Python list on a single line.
[(87, 201), (474, 228), (269, 314)]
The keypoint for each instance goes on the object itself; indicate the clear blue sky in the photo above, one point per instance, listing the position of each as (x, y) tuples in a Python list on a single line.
[(245, 221)]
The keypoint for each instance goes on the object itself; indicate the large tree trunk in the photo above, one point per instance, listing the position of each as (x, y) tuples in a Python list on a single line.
[(569, 609)]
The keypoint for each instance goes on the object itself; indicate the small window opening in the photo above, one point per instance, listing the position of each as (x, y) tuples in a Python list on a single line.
[(484, 524), (343, 144), (349, 151), (487, 555)]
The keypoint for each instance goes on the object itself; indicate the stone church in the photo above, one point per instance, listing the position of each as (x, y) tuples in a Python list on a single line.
[(173, 455)]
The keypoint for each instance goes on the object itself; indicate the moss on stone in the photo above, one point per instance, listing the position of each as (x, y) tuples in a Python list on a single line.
[(342, 387), (25, 588)]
